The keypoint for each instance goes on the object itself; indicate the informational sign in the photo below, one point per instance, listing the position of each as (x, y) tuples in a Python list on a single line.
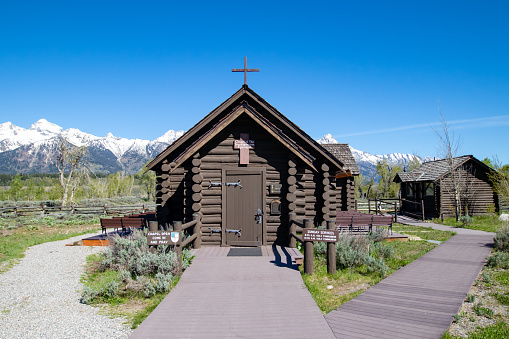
[(155, 238), (313, 234), (239, 144)]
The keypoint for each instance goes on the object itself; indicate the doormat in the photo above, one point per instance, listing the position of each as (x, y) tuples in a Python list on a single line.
[(245, 252)]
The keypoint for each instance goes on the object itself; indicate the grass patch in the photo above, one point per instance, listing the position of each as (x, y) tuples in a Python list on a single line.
[(332, 291), (18, 234), (498, 330), (487, 223), (425, 233)]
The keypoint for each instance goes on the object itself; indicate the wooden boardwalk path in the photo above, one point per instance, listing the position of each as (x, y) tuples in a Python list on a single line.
[(238, 297), (419, 300)]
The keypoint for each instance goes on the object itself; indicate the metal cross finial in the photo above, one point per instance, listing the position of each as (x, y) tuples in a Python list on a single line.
[(245, 70)]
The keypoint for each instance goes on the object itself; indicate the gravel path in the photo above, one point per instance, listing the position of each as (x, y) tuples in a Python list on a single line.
[(39, 297)]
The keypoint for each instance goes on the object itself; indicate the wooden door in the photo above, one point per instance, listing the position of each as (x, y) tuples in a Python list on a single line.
[(243, 207)]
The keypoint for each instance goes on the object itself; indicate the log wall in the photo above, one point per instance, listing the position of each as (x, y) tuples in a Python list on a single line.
[(311, 194)]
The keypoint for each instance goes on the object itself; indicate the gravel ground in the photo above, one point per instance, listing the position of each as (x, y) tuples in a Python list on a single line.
[(39, 297)]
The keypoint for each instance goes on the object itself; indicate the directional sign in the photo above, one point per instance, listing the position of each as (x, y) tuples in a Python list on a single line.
[(313, 234)]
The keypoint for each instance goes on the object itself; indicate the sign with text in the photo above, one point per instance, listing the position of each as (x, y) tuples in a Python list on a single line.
[(313, 234), (239, 144), (163, 238)]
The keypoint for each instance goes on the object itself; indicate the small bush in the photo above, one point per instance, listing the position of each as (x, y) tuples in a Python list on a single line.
[(502, 239), (110, 290), (499, 259), (483, 311), (470, 298), (321, 248), (466, 220), (163, 282), (88, 295)]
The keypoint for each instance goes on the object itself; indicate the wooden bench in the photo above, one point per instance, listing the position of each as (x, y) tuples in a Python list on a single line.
[(115, 223), (133, 222), (358, 222)]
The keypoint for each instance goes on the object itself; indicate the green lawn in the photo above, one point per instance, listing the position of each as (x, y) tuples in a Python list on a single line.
[(487, 223)]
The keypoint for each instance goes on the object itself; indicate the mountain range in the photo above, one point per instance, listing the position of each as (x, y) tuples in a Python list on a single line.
[(33, 150)]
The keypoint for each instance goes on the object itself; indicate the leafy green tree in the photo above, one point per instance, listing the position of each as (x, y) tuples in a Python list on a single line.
[(147, 180), (499, 176), (16, 190), (387, 188)]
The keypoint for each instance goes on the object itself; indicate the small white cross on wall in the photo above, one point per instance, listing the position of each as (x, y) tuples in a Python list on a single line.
[(244, 145)]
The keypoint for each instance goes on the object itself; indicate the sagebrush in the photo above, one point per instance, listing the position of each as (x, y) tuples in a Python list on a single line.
[(136, 269)]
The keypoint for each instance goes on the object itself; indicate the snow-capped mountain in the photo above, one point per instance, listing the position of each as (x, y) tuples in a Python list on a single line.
[(33, 150), (367, 161)]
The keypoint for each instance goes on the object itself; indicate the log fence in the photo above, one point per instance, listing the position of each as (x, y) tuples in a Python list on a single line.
[(76, 209)]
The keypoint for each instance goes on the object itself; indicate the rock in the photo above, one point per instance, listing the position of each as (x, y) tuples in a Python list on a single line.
[(504, 217)]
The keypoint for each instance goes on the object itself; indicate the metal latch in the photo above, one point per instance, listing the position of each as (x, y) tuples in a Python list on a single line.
[(214, 184), (258, 216), (235, 231), (214, 230), (234, 184)]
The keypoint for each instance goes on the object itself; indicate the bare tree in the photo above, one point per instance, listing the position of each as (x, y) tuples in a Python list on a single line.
[(68, 161), (449, 147)]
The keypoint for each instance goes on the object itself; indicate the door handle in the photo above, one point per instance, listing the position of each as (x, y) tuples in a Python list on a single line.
[(258, 216)]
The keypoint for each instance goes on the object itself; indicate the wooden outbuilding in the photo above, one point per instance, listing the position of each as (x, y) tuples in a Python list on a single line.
[(345, 180), (431, 185), (242, 170)]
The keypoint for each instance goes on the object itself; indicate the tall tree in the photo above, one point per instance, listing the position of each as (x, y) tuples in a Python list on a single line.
[(387, 188), (449, 147), (148, 182), (68, 161)]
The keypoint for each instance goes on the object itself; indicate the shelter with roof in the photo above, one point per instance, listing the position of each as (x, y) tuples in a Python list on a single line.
[(432, 185), (243, 169), (346, 182)]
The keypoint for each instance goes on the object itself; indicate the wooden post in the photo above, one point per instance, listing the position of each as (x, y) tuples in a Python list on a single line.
[(152, 227), (395, 212), (422, 206), (369, 206), (331, 250), (197, 230), (309, 254), (355, 205), (376, 206), (292, 228), (177, 226)]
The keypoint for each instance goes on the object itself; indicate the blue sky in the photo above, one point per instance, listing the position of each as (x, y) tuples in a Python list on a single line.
[(371, 73)]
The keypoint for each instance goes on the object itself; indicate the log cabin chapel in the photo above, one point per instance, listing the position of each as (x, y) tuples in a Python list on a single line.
[(243, 169)]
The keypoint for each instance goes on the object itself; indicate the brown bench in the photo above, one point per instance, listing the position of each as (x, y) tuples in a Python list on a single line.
[(115, 223), (352, 221)]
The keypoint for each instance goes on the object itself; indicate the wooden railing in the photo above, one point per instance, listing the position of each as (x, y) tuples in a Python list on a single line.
[(379, 206), (77, 209), (309, 250), (419, 205), (194, 238)]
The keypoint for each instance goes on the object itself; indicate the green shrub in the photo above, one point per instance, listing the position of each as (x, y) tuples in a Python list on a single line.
[(483, 311), (502, 239), (466, 220), (354, 251), (470, 298), (382, 250), (499, 259), (110, 290)]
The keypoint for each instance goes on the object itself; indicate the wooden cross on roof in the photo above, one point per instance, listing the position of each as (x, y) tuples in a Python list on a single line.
[(245, 70)]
